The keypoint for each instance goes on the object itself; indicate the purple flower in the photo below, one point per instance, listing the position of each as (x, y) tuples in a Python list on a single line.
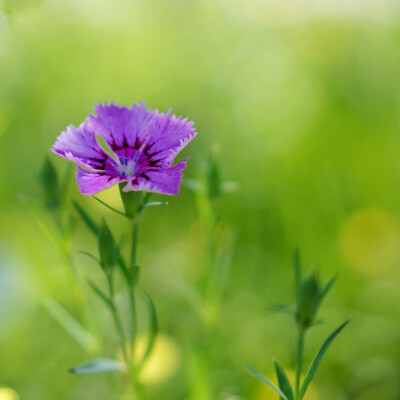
[(142, 145)]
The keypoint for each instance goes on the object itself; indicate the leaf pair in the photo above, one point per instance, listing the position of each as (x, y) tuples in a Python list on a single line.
[(285, 390)]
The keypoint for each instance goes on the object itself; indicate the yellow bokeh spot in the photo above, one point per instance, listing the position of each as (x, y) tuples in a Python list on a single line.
[(8, 394), (264, 392), (370, 241), (163, 361)]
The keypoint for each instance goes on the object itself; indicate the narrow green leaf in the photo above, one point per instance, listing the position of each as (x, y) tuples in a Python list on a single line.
[(100, 294), (108, 251), (152, 329), (283, 381), (318, 358), (98, 366), (123, 267), (109, 207), (155, 203), (324, 291), (281, 308), (264, 379), (84, 338), (85, 253), (86, 218)]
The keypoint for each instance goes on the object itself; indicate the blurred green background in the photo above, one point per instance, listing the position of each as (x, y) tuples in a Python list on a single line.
[(302, 99)]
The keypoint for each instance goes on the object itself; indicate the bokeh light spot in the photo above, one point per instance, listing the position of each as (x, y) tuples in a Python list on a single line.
[(8, 394), (163, 362), (369, 241)]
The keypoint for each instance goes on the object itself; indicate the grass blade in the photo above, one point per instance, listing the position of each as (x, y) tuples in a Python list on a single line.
[(85, 339), (283, 308), (153, 329), (86, 218), (109, 207), (100, 294), (318, 358), (283, 381), (326, 289), (264, 379)]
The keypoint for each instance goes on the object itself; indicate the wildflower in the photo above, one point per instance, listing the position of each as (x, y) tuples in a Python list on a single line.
[(142, 145)]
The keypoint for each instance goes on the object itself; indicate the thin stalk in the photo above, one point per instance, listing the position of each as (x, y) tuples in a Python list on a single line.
[(117, 322), (132, 305), (299, 364), (133, 322), (120, 330), (135, 234)]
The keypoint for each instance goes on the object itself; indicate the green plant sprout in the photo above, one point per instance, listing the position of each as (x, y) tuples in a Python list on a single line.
[(309, 296)]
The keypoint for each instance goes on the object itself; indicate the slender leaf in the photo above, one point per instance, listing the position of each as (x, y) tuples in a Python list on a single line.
[(108, 251), (84, 338), (264, 379), (123, 267), (281, 308), (86, 218), (318, 358), (283, 381), (98, 366), (86, 253), (326, 289), (100, 294), (109, 207), (152, 330), (155, 203)]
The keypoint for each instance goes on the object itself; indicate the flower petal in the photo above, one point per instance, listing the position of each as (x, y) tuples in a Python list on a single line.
[(121, 126), (80, 146), (163, 181), (169, 135), (92, 182)]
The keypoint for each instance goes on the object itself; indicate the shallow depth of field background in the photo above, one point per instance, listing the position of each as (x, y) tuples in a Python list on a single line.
[(302, 98)]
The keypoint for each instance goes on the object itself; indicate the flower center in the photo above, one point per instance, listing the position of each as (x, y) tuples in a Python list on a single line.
[(127, 167)]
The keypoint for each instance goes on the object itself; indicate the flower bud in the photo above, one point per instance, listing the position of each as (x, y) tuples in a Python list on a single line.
[(308, 301)]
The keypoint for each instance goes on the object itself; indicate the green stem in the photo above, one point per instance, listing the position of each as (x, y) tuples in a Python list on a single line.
[(299, 364), (132, 306), (135, 234), (133, 322), (117, 322)]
